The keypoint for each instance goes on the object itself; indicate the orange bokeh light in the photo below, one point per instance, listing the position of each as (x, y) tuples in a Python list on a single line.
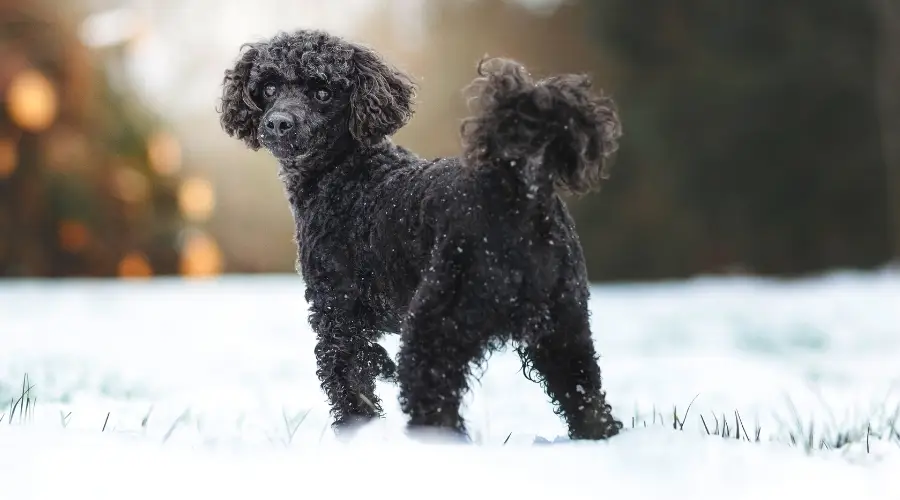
[(73, 235), (196, 199), (164, 153), (31, 101), (131, 186), (201, 256), (134, 266), (9, 157)]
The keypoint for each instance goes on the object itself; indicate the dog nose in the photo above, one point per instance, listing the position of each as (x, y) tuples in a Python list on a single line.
[(279, 123)]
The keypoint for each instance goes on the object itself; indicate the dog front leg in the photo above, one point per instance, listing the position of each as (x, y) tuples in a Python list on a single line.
[(345, 366)]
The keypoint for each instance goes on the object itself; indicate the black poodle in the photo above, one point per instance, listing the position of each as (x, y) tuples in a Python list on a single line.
[(458, 255)]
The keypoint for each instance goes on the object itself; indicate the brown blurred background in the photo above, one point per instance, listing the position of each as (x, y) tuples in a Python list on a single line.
[(761, 136)]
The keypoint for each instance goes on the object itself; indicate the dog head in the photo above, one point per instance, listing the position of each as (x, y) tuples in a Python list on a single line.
[(300, 94)]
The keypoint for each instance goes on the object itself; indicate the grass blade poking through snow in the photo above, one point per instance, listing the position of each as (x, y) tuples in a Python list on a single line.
[(64, 418), (24, 404), (184, 416), (678, 424), (810, 435), (287, 425), (145, 420)]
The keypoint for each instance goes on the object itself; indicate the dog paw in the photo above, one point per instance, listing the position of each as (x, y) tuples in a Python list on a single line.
[(426, 434), (347, 427), (597, 430)]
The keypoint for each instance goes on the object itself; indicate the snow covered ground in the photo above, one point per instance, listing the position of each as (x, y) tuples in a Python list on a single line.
[(207, 389)]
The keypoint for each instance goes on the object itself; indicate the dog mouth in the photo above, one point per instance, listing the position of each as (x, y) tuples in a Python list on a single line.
[(285, 150), (281, 150)]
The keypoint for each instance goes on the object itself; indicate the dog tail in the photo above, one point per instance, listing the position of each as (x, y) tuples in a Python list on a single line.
[(554, 133)]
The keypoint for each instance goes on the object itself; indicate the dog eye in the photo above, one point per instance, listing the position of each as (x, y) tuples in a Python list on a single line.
[(269, 90), (323, 95)]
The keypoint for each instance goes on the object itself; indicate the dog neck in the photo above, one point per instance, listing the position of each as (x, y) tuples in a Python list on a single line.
[(303, 176)]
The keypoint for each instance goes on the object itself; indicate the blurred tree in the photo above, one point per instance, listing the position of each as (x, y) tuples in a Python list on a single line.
[(888, 81), (751, 139), (89, 181)]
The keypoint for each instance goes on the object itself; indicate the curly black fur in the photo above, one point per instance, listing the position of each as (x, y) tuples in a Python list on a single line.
[(557, 123), (458, 255)]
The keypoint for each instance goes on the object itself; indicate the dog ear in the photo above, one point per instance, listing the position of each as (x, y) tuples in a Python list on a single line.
[(239, 114), (381, 101)]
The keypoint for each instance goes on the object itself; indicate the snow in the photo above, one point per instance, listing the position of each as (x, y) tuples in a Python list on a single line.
[(222, 372), (651, 464)]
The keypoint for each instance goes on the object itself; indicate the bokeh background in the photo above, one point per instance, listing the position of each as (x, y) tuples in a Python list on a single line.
[(761, 136)]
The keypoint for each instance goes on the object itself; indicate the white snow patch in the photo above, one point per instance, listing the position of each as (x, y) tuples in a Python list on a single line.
[(644, 464), (224, 375)]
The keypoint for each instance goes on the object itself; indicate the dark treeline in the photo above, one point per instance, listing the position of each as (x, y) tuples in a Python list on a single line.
[(756, 139)]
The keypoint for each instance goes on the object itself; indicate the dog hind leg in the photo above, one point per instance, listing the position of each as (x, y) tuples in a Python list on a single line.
[(561, 357), (440, 340)]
